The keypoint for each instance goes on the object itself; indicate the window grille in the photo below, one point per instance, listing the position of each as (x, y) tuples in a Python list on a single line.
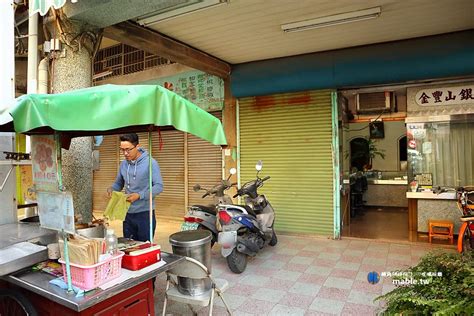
[(121, 59)]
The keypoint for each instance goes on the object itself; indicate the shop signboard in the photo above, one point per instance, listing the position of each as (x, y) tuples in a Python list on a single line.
[(45, 174), (56, 211), (454, 95), (204, 90)]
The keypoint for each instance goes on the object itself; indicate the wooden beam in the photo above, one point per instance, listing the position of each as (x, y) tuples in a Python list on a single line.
[(158, 44)]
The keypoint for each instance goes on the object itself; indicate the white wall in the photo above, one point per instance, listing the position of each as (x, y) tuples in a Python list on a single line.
[(393, 132)]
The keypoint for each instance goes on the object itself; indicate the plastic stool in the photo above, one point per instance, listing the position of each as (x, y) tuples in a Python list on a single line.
[(441, 229)]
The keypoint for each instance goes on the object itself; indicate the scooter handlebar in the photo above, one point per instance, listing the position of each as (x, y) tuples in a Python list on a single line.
[(266, 178), (205, 194)]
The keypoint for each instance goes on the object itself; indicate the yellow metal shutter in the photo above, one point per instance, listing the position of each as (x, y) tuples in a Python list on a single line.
[(105, 176), (204, 166), (292, 134), (170, 203)]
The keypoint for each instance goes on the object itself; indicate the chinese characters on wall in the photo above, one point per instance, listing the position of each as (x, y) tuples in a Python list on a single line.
[(44, 163), (445, 96), (202, 89)]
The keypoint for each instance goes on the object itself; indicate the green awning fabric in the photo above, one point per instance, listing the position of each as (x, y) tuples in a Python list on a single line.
[(42, 6), (102, 109)]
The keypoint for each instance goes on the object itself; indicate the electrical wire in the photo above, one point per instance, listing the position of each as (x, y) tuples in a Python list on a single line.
[(368, 125)]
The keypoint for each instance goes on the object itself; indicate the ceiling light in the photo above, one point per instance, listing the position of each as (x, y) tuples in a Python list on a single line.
[(178, 12), (331, 20)]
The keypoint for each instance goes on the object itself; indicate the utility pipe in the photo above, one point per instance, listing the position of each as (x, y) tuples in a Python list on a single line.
[(32, 77), (43, 76)]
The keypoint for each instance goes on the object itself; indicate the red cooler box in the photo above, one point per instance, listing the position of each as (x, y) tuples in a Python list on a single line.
[(141, 256)]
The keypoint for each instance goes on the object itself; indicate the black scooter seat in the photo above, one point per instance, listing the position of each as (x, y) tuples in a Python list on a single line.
[(207, 208)]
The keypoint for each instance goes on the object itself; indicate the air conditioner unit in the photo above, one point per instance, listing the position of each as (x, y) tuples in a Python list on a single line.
[(375, 102)]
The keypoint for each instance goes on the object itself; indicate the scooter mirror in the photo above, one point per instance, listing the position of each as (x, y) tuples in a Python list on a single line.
[(259, 165), (233, 171), (196, 187)]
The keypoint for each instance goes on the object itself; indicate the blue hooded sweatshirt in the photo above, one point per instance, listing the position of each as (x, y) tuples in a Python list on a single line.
[(134, 177)]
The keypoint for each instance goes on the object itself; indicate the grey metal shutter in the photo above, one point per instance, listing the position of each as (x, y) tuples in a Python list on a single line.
[(105, 176), (204, 166), (170, 203), (292, 134)]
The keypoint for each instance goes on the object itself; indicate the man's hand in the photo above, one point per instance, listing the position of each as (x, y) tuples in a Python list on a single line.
[(132, 197), (109, 192)]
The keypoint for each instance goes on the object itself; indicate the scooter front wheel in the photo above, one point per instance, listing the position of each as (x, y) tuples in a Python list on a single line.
[(274, 239), (237, 261)]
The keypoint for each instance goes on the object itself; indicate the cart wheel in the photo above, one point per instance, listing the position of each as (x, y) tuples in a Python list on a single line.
[(14, 303)]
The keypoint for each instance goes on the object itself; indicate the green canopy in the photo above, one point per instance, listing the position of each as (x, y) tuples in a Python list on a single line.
[(42, 6), (110, 109)]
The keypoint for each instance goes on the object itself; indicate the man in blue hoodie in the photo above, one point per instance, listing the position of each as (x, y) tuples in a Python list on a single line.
[(133, 175)]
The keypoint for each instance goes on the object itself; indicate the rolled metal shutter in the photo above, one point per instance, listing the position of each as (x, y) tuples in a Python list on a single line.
[(105, 176), (292, 134), (204, 166), (170, 203), (110, 158)]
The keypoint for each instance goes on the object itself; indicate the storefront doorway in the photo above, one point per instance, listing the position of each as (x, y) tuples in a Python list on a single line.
[(374, 164)]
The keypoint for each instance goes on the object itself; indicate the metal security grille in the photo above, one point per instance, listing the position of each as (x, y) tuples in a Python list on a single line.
[(176, 153), (170, 203), (204, 166), (122, 59), (104, 177), (292, 134)]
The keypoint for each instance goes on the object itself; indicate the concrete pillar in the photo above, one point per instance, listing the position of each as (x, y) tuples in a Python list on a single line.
[(71, 70)]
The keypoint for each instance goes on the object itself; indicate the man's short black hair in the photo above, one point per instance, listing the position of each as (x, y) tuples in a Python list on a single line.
[(132, 138)]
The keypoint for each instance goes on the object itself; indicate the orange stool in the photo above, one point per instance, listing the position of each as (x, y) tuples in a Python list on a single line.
[(441, 229)]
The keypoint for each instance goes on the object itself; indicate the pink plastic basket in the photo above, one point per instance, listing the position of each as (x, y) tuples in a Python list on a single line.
[(90, 277)]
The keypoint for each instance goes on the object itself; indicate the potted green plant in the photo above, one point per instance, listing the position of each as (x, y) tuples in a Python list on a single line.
[(374, 151), (368, 155)]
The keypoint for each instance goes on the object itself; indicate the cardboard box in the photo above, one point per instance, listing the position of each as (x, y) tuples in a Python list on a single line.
[(141, 256)]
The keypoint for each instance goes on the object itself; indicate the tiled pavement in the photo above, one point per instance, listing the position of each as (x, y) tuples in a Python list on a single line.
[(303, 276)]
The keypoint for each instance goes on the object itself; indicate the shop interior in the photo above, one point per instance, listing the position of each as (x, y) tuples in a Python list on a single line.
[(374, 163)]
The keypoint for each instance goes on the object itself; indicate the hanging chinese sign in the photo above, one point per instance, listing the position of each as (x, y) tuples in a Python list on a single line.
[(45, 175), (446, 96), (204, 90)]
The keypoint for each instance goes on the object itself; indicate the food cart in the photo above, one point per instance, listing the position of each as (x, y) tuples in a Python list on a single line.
[(102, 110)]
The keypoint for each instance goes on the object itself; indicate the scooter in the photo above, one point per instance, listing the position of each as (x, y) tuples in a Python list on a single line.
[(204, 216), (246, 229)]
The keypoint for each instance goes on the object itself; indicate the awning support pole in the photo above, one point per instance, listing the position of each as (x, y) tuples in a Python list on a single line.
[(150, 185)]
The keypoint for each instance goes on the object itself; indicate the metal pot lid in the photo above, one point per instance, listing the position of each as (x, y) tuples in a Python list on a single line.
[(190, 238)]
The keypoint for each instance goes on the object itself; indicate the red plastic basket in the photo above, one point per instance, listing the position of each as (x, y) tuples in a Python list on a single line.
[(90, 277)]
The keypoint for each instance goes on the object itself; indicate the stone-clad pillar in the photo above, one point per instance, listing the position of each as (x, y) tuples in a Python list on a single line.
[(71, 70)]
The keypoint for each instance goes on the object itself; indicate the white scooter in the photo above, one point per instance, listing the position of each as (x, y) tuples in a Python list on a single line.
[(245, 229), (204, 216)]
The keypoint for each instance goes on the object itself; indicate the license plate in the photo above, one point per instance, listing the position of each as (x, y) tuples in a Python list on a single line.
[(227, 239), (189, 226)]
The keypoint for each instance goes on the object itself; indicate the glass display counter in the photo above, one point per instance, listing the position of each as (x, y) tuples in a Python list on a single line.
[(440, 153)]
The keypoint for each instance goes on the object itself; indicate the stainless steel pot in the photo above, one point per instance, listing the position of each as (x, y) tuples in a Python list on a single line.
[(92, 232)]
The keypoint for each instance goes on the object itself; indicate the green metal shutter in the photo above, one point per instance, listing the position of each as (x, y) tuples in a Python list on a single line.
[(292, 134)]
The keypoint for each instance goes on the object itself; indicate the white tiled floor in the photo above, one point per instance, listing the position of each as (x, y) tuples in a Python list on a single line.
[(302, 276)]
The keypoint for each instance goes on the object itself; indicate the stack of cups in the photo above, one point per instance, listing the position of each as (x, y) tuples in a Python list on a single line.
[(53, 251)]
